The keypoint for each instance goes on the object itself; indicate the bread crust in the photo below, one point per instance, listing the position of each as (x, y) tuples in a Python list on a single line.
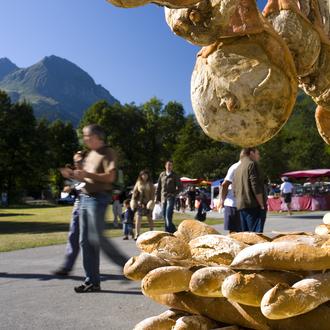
[(284, 301), (283, 256), (206, 282), (167, 279), (137, 267)]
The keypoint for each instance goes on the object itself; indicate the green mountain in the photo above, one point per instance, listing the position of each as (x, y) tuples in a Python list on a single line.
[(56, 88)]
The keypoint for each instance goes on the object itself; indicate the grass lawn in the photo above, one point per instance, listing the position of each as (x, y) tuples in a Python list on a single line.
[(26, 227)]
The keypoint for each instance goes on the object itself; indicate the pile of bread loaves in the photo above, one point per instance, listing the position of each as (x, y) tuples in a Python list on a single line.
[(243, 280)]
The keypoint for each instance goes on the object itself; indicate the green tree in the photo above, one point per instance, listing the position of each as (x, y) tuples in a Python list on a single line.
[(298, 145), (199, 156), (62, 144), (17, 147)]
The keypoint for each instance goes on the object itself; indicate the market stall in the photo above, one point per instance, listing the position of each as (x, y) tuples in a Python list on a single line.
[(315, 199)]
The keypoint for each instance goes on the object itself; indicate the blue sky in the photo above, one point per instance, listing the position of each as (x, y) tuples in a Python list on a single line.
[(131, 52)]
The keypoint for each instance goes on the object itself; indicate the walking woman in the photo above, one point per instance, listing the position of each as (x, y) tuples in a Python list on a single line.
[(143, 200)]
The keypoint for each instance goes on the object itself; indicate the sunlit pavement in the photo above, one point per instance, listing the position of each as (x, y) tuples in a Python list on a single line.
[(32, 298)]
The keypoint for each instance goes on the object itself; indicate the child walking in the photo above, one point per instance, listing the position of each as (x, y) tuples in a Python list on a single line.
[(128, 219)]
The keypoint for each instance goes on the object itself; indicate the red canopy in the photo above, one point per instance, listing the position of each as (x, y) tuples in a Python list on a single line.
[(308, 173), (189, 180)]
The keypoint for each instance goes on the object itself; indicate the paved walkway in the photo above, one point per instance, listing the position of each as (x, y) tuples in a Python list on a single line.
[(31, 298)]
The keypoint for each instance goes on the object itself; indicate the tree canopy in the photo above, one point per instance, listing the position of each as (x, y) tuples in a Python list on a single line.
[(144, 136)]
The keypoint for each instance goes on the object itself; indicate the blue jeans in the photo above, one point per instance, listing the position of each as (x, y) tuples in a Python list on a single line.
[(253, 219), (92, 224), (128, 229), (72, 246), (168, 208)]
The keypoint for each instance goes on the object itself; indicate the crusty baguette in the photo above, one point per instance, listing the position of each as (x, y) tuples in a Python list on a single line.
[(163, 321), (322, 230), (288, 233), (194, 322), (248, 289), (326, 219), (229, 327), (284, 301), (136, 268), (326, 244), (215, 249), (283, 256), (250, 238), (206, 282), (221, 310), (314, 240), (190, 229), (166, 280), (218, 309)]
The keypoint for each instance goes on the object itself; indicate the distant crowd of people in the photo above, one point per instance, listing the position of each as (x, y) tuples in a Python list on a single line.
[(93, 176)]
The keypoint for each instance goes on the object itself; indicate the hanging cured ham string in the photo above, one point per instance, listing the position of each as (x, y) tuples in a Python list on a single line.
[(244, 84)]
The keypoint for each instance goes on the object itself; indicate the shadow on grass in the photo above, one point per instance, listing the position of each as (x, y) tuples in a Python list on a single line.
[(158, 225), (15, 214), (19, 227), (35, 206)]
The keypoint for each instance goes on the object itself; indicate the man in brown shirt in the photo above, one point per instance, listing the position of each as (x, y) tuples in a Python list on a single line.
[(248, 185), (98, 173)]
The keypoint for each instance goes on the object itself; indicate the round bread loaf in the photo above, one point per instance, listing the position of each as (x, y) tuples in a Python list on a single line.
[(322, 230), (194, 322), (190, 229), (250, 238), (322, 119), (326, 219), (248, 289), (297, 31), (284, 301), (139, 266), (166, 280), (282, 256), (215, 249), (317, 84), (207, 21), (172, 248), (147, 242), (206, 282), (163, 321), (241, 93)]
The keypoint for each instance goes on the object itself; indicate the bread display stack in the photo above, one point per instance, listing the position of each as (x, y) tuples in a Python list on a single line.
[(238, 281)]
